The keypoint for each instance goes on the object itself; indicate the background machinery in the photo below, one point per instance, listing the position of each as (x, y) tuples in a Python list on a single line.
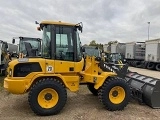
[(60, 67), (4, 57), (28, 47), (116, 58), (139, 54), (12, 49), (91, 51)]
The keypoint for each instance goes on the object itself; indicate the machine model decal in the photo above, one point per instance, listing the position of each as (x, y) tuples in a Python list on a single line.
[(49, 68)]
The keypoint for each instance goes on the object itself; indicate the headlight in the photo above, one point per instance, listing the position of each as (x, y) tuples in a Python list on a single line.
[(10, 72)]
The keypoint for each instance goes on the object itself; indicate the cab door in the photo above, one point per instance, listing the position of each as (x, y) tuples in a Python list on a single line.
[(64, 50)]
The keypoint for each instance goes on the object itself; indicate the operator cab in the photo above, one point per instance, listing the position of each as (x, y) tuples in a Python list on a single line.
[(29, 47), (115, 57), (60, 41)]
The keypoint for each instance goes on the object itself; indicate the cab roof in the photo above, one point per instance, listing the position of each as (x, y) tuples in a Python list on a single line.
[(58, 23)]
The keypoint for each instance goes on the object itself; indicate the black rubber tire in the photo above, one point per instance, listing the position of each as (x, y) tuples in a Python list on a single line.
[(158, 67), (41, 85), (138, 64), (144, 64), (132, 63), (103, 93), (151, 66), (129, 62), (92, 89)]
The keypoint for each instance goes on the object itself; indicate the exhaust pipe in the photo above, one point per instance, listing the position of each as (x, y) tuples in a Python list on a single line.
[(145, 89)]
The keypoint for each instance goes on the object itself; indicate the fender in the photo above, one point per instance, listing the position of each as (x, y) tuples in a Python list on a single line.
[(70, 82), (48, 75), (104, 75)]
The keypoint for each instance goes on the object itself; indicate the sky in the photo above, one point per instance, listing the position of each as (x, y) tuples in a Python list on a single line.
[(103, 20)]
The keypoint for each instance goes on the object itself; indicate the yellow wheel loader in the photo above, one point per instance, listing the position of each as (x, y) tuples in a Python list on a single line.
[(62, 67)]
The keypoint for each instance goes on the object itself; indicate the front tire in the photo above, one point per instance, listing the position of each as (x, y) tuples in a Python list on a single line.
[(47, 97), (114, 94)]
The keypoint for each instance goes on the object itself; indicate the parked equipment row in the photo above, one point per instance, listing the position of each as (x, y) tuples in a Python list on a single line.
[(139, 54)]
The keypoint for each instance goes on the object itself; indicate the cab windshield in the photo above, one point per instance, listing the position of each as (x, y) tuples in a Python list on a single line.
[(91, 51), (116, 57), (30, 46)]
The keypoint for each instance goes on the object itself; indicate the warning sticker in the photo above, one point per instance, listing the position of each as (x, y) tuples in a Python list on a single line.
[(49, 68)]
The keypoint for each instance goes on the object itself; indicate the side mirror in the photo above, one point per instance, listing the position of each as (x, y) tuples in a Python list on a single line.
[(82, 49), (13, 41), (80, 28)]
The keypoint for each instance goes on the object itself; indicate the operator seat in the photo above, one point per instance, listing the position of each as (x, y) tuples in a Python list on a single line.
[(70, 54), (29, 49)]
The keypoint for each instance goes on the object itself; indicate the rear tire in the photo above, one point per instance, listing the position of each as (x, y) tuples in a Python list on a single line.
[(92, 89), (47, 97), (138, 64), (158, 67), (144, 64), (150, 66), (114, 94)]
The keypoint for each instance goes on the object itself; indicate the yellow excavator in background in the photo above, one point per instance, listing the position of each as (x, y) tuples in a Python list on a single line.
[(62, 67), (5, 57)]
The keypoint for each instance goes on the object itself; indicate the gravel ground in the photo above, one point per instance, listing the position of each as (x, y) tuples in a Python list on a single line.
[(81, 105)]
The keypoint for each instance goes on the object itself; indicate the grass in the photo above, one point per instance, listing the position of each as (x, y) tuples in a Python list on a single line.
[(1, 82)]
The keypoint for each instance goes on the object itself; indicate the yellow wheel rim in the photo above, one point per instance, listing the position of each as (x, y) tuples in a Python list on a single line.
[(116, 94), (48, 98)]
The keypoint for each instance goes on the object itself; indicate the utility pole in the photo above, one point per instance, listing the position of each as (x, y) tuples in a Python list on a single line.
[(148, 29)]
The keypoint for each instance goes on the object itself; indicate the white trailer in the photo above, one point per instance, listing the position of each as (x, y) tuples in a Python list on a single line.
[(118, 48), (135, 53), (153, 54), (106, 48)]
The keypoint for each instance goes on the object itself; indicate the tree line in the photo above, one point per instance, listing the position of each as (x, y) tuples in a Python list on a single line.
[(99, 45)]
